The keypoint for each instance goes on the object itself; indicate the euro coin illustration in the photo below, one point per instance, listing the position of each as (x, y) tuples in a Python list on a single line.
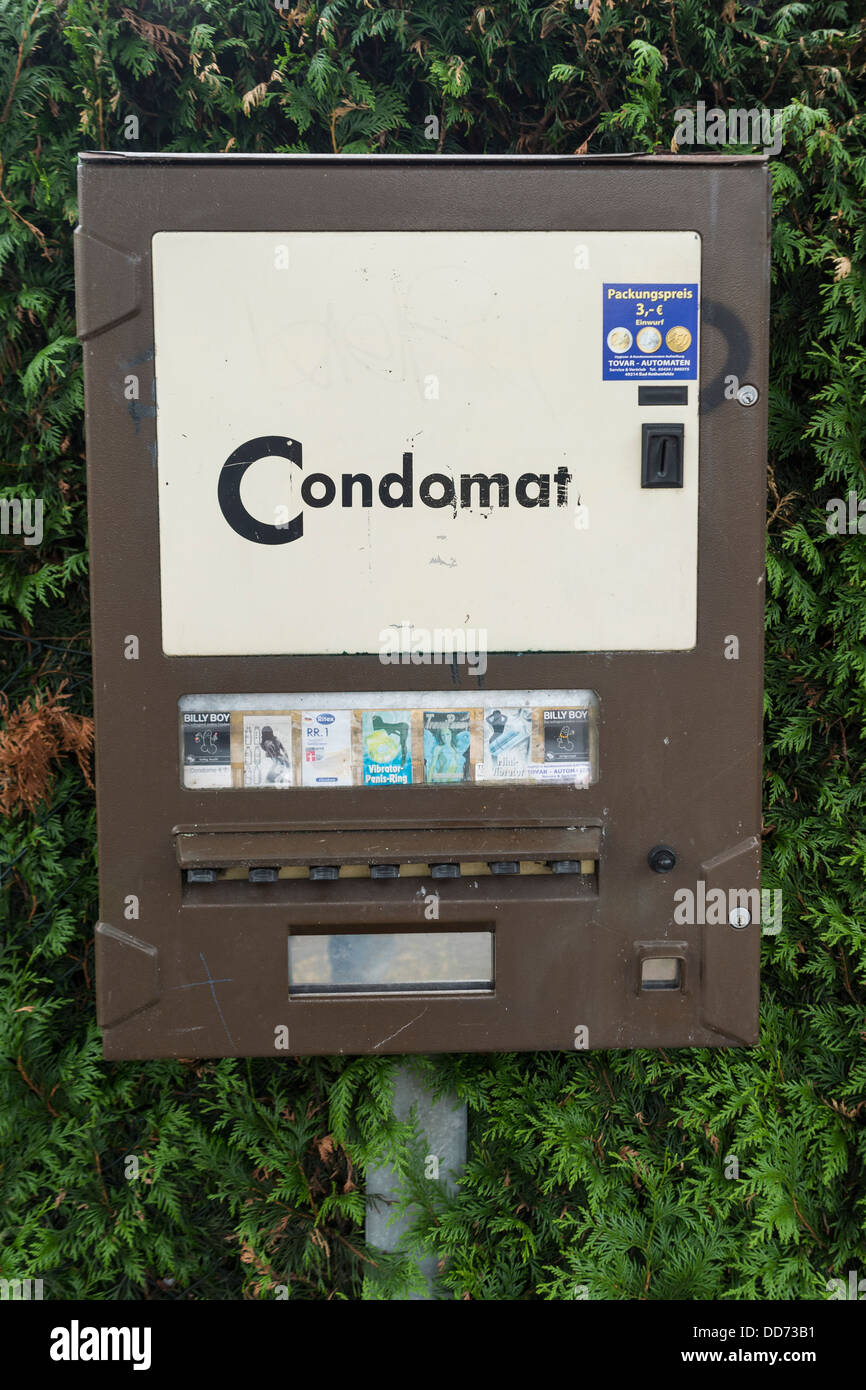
[(678, 339), (619, 340), (649, 340)]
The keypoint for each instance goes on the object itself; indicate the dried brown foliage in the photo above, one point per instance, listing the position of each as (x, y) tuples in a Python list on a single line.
[(159, 37), (35, 734)]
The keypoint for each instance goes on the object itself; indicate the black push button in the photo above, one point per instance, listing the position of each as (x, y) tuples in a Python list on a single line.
[(384, 870), (324, 873), (661, 456), (661, 859), (505, 866), (565, 866), (201, 875), (263, 875), (445, 870)]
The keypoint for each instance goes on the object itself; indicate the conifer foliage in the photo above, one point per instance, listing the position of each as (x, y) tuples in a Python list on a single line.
[(600, 1175)]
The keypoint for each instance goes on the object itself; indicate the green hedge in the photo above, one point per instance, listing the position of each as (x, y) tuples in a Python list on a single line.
[(600, 1175)]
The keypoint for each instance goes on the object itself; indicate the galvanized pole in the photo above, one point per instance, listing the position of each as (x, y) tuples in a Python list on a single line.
[(443, 1123)]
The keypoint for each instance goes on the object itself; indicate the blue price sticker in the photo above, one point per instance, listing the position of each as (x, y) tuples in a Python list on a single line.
[(650, 332)]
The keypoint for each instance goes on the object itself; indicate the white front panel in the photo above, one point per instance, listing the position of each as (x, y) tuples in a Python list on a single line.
[(475, 352)]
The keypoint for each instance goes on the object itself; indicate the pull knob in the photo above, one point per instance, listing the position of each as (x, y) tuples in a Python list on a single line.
[(384, 870), (445, 870), (661, 859), (324, 873), (263, 875)]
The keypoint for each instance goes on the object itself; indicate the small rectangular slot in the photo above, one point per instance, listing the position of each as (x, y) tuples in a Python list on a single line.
[(661, 972), (402, 962), (663, 395)]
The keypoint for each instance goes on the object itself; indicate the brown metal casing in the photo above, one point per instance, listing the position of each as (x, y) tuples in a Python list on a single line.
[(192, 970)]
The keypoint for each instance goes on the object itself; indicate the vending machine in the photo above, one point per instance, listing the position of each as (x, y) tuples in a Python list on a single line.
[(426, 499)]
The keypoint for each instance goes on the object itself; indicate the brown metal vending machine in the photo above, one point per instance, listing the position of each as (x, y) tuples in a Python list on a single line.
[(427, 513)]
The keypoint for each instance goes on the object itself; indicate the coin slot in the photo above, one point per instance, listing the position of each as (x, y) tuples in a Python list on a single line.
[(661, 455)]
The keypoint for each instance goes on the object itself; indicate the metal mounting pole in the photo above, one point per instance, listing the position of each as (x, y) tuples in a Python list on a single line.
[(443, 1123)]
